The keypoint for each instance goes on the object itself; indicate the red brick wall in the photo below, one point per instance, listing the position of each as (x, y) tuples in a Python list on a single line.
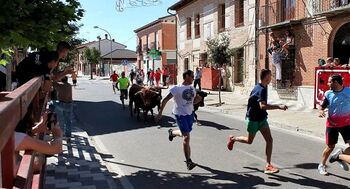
[(313, 41), (168, 41)]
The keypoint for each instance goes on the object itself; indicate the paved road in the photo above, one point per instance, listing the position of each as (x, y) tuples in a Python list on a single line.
[(141, 156)]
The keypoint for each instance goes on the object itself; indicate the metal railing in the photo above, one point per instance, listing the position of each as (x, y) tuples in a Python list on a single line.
[(277, 12), (321, 6), (13, 108)]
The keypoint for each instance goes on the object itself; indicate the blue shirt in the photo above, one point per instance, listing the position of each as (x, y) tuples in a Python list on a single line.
[(254, 112), (338, 104)]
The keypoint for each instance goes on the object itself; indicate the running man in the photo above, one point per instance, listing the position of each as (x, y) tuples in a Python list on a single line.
[(114, 78), (337, 100), (256, 119), (123, 87), (184, 97)]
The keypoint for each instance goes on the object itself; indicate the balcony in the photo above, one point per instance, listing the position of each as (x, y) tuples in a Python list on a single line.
[(330, 7), (278, 14)]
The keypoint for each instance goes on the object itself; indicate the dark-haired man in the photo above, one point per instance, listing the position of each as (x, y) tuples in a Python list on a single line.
[(337, 100), (184, 97), (256, 119)]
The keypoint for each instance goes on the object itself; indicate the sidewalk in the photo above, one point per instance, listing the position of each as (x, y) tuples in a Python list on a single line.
[(298, 119), (79, 166)]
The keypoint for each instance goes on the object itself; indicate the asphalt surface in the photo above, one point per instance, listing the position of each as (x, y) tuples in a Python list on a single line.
[(140, 156)]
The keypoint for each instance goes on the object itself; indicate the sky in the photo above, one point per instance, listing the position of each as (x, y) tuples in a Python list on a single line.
[(120, 25)]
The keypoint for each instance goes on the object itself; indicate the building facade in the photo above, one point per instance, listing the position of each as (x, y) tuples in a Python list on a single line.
[(320, 28), (105, 66), (156, 46), (201, 20)]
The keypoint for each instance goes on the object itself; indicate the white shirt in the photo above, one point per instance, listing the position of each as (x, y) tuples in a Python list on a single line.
[(183, 97)]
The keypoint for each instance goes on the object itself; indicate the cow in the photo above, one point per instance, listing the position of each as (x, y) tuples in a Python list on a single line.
[(145, 99), (200, 104)]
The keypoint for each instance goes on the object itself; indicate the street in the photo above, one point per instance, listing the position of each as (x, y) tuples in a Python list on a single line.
[(140, 156)]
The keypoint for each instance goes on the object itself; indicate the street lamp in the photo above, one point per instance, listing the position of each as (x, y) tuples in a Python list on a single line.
[(110, 37)]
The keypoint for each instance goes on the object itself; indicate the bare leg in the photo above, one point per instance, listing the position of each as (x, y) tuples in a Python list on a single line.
[(346, 155), (266, 132), (186, 146), (245, 139), (326, 152)]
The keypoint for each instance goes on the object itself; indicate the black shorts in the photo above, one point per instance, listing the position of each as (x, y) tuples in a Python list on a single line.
[(124, 93), (332, 134)]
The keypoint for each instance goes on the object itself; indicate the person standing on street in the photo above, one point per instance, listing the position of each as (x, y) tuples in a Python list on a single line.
[(337, 100), (151, 77), (64, 106), (256, 119), (197, 78), (225, 74), (74, 78), (157, 76), (114, 78), (132, 76), (184, 96), (165, 74)]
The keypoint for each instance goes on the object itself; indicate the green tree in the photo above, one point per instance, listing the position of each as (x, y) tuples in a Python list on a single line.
[(219, 52), (38, 23), (93, 56)]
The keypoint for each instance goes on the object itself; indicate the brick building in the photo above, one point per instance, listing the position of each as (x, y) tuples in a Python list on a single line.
[(156, 46), (200, 20), (321, 29)]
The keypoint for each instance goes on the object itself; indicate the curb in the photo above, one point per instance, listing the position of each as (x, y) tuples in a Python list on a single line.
[(272, 123)]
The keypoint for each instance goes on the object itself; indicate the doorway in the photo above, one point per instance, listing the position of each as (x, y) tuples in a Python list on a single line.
[(341, 44)]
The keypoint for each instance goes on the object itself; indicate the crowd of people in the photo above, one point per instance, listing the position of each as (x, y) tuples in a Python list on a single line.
[(56, 119)]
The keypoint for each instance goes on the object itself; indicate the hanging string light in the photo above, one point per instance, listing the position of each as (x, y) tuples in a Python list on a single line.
[(121, 5)]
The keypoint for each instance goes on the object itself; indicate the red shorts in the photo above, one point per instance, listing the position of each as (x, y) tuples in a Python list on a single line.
[(332, 134)]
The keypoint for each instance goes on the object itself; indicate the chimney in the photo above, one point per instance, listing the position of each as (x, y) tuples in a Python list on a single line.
[(113, 40), (106, 36)]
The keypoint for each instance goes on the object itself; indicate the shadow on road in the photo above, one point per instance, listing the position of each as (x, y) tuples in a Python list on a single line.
[(110, 117), (218, 126)]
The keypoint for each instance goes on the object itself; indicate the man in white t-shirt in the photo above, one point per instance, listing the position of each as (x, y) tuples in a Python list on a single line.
[(184, 96)]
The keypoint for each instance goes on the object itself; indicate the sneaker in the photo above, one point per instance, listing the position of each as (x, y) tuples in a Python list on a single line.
[(171, 136), (335, 158), (190, 165), (269, 169), (230, 142), (322, 169)]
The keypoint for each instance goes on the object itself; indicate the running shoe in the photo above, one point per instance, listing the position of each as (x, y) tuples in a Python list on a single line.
[(171, 136), (190, 165), (269, 169), (322, 169), (335, 158), (230, 142)]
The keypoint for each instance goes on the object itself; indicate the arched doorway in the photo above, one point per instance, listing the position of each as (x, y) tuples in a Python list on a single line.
[(341, 44)]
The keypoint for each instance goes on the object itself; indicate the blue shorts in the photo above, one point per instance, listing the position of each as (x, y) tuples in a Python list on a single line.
[(185, 123)]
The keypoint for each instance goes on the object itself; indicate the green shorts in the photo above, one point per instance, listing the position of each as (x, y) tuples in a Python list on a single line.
[(254, 126)]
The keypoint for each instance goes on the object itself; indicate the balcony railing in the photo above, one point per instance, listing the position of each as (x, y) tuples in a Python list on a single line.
[(323, 6), (278, 12)]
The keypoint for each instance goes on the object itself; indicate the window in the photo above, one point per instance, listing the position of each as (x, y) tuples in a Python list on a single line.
[(197, 28), (203, 59), (239, 66), (239, 13), (221, 18), (186, 66), (188, 24), (288, 9)]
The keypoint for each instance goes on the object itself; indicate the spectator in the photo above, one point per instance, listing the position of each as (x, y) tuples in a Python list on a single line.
[(151, 76), (275, 49), (225, 74), (132, 76), (26, 142), (329, 62), (336, 63), (197, 78), (36, 64), (165, 74), (289, 42), (148, 77), (64, 107), (62, 49), (157, 76), (74, 78)]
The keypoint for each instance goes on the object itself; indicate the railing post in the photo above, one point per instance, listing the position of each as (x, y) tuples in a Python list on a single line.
[(8, 163)]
